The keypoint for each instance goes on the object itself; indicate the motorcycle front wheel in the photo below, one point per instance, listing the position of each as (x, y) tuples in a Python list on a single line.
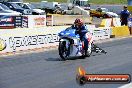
[(63, 51)]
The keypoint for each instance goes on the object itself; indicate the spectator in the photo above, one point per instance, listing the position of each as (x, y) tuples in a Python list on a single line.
[(124, 15), (130, 25)]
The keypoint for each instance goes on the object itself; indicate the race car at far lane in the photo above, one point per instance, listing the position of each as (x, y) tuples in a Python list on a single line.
[(102, 12)]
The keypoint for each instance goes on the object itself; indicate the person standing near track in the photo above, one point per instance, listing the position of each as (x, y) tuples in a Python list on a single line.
[(130, 25), (124, 15)]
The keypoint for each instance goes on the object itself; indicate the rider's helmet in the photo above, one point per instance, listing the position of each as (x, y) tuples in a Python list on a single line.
[(78, 22)]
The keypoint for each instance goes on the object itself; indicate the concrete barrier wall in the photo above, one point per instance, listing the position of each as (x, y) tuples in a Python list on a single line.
[(32, 38), (110, 22), (120, 31), (29, 38), (129, 8)]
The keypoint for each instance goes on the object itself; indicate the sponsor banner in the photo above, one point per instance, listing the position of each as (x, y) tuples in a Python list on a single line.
[(2, 44), (100, 33), (36, 21), (49, 20), (23, 39), (6, 22), (25, 22), (18, 21), (33, 21), (9, 22)]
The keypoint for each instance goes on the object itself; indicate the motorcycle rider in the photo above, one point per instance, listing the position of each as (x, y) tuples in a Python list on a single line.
[(81, 30)]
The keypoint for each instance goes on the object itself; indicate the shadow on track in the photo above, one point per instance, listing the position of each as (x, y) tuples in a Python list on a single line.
[(94, 54), (96, 50), (59, 59), (53, 59)]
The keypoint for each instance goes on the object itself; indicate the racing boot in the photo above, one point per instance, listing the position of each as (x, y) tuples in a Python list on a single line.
[(87, 54)]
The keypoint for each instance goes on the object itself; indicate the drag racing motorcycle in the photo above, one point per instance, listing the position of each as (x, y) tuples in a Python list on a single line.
[(70, 44)]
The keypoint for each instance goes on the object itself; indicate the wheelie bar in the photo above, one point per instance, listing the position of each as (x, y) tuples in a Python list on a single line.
[(97, 49)]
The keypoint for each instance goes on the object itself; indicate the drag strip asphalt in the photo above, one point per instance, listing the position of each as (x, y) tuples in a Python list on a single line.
[(45, 70)]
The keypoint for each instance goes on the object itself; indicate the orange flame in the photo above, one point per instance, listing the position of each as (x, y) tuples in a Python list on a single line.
[(81, 71)]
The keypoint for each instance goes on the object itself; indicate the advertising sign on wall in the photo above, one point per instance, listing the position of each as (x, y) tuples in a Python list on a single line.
[(36, 21), (101, 33), (16, 39), (49, 20), (18, 21), (6, 22), (9, 22)]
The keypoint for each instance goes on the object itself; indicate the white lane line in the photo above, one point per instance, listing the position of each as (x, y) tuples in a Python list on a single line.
[(126, 86)]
